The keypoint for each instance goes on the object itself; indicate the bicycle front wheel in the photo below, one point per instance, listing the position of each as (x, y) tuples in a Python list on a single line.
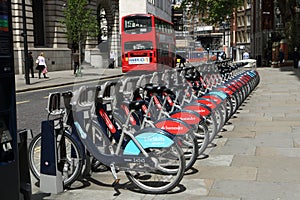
[(167, 174), (202, 135), (69, 158)]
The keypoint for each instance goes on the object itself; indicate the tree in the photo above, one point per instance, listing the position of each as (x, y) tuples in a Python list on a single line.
[(79, 22), (212, 11)]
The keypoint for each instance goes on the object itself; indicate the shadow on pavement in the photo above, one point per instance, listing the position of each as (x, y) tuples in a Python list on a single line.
[(39, 196), (294, 71)]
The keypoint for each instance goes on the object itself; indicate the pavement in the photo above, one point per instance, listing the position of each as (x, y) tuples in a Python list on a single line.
[(65, 77), (257, 158)]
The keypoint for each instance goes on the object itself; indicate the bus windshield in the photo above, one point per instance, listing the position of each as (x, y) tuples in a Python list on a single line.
[(137, 24), (138, 45)]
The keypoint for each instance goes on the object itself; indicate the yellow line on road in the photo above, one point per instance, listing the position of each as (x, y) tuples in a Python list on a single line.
[(21, 102)]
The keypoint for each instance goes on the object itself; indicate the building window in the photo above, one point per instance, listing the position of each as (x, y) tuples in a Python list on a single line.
[(248, 39), (151, 2), (248, 20), (38, 23)]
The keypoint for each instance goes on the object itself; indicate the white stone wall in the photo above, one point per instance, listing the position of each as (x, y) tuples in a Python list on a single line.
[(132, 7), (160, 8)]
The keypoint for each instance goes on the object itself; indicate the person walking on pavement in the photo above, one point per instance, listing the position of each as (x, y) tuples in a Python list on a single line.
[(181, 60), (76, 61), (112, 60), (246, 55), (296, 58), (30, 64), (281, 56), (42, 67)]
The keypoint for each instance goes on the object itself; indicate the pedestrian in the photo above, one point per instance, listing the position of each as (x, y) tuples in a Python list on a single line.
[(76, 61), (281, 56), (180, 60), (41, 65), (112, 60), (30, 64), (246, 55), (296, 57)]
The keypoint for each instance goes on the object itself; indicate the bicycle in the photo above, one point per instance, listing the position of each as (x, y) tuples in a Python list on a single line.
[(70, 151), (151, 157)]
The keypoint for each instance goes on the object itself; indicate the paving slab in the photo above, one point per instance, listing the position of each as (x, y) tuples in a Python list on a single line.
[(275, 151), (239, 134), (266, 161), (216, 160), (227, 173), (249, 190), (275, 139), (236, 146)]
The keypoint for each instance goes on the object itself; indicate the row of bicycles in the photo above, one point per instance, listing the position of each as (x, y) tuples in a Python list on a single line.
[(151, 126)]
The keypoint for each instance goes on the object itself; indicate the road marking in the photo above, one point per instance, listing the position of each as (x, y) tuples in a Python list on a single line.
[(21, 102)]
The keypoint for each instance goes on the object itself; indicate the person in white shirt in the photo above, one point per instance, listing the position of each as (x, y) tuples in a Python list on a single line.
[(42, 67), (112, 59), (246, 55)]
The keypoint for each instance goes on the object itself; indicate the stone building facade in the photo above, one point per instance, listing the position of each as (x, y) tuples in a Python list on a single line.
[(45, 32), (155, 7)]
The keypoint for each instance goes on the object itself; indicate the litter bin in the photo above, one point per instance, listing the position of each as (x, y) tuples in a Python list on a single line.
[(259, 61)]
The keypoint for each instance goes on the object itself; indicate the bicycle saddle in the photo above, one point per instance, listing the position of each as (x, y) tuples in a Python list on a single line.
[(136, 105)]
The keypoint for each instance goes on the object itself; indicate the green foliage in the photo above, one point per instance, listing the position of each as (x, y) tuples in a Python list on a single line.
[(212, 11), (79, 21)]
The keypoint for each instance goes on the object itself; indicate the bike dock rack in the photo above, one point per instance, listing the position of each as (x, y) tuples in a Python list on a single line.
[(51, 178)]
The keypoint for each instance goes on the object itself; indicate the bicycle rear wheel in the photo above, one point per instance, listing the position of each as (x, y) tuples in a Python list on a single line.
[(167, 174), (69, 155)]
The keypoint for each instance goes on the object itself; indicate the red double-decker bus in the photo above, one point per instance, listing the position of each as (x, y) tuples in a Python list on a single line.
[(148, 43)]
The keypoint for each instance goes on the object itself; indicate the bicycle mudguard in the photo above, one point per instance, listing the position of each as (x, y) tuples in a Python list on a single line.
[(149, 138), (208, 102), (232, 86), (201, 109), (225, 89), (189, 116), (252, 73), (216, 98), (173, 126), (221, 94)]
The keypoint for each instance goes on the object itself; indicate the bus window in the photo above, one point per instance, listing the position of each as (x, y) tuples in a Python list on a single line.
[(137, 24), (138, 45)]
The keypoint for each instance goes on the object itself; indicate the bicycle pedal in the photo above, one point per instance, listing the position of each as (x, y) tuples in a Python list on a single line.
[(116, 182)]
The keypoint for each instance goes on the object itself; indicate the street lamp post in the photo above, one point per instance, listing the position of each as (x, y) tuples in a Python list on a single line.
[(24, 34), (277, 32), (267, 26), (225, 26)]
